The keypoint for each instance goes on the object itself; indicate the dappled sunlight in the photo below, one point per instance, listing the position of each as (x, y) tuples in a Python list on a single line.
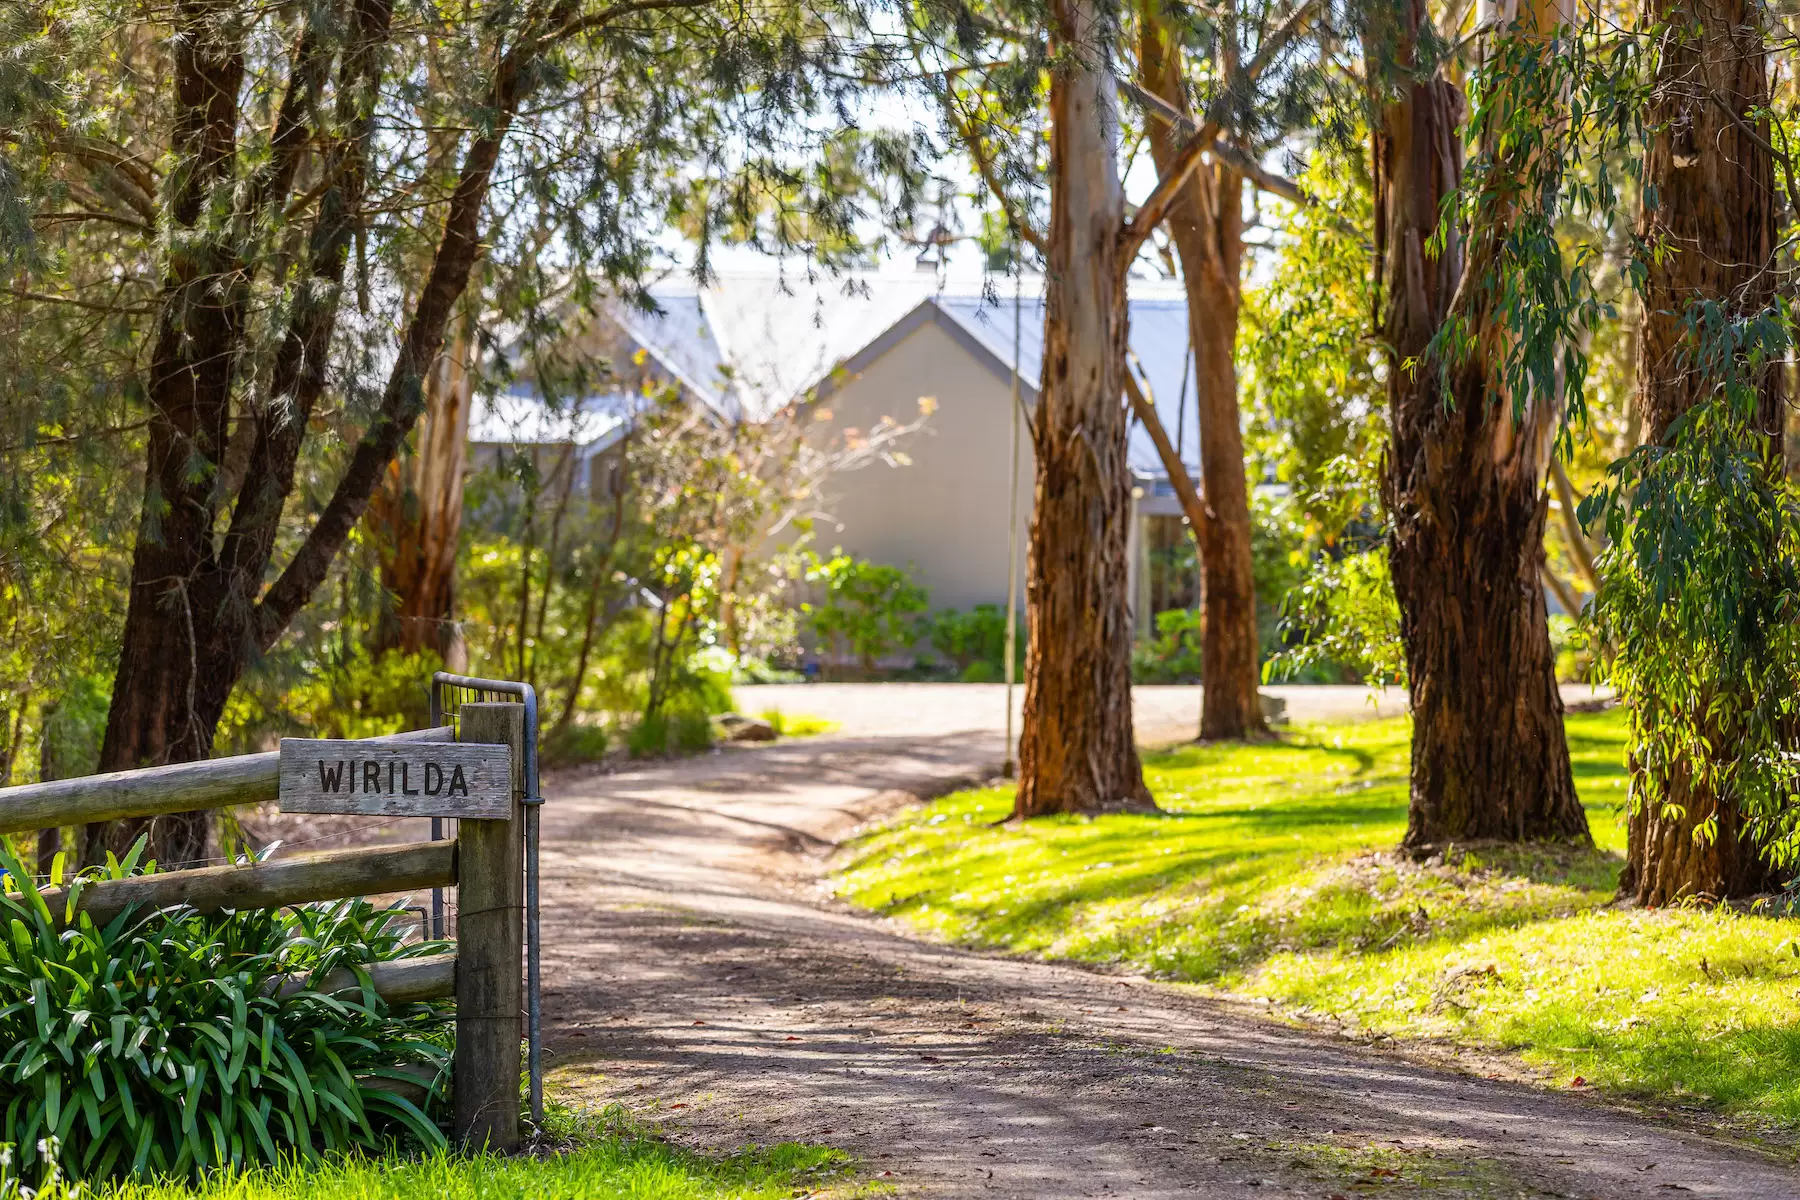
[(1262, 849), (1272, 871), (1681, 1003)]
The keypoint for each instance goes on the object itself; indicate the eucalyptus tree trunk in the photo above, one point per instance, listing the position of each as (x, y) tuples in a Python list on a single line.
[(1716, 209), (1463, 484), (417, 512), (1206, 222), (1077, 753)]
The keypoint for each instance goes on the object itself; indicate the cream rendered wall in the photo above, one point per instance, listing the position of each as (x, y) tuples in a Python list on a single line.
[(946, 512)]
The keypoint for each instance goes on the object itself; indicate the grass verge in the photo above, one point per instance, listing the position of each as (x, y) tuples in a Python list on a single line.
[(793, 725), (1269, 875), (607, 1158)]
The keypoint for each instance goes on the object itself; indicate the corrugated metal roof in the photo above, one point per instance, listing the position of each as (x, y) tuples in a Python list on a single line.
[(520, 417), (1159, 340), (749, 343), (682, 340)]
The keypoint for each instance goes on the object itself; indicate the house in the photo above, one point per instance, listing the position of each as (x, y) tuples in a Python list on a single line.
[(867, 345)]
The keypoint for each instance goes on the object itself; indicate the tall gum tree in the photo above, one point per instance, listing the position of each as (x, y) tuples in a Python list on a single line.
[(416, 512), (1206, 225), (279, 145), (1711, 204), (1464, 480), (1077, 752)]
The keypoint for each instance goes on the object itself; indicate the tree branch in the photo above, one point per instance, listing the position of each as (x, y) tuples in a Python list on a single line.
[(1279, 39), (1579, 549), (576, 26), (299, 374), (136, 179), (403, 397), (1156, 206), (1192, 503), (1232, 156), (1565, 595)]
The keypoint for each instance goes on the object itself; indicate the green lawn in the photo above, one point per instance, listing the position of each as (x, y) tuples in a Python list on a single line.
[(1269, 875), (609, 1159)]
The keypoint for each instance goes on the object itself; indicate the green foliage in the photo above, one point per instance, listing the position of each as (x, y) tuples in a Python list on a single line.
[(72, 728), (1343, 616), (357, 694), (1173, 654), (679, 728), (1701, 594), (974, 641), (576, 742), (867, 610), (1520, 276), (1576, 661), (1316, 402), (158, 1045)]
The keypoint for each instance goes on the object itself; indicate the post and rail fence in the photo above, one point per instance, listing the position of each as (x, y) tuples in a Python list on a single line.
[(476, 765)]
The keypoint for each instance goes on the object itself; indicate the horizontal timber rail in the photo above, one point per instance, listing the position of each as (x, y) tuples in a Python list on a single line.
[(399, 981), (154, 791), (484, 863), (367, 870)]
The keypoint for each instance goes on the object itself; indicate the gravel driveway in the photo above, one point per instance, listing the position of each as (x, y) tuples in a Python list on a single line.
[(695, 971), (1162, 714)]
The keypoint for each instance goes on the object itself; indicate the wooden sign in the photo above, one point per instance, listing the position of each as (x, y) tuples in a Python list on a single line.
[(405, 779)]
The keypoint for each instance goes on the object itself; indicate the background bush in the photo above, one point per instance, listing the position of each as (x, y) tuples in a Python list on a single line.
[(1172, 655), (158, 1044), (866, 610), (974, 642)]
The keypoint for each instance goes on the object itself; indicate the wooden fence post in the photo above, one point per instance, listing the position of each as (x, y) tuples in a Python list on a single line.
[(490, 943)]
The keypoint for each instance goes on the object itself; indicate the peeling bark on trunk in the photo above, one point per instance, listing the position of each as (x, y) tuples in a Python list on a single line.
[(1077, 752), (1713, 176), (417, 512), (1464, 486), (1207, 227)]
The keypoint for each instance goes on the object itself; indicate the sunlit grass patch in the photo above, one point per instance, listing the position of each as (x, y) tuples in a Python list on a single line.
[(609, 1158), (1261, 849), (1681, 1004), (793, 725), (1271, 873)]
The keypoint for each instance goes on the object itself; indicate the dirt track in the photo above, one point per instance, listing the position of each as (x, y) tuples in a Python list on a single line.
[(693, 970)]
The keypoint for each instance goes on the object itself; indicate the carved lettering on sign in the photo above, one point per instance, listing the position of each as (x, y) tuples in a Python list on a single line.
[(415, 779)]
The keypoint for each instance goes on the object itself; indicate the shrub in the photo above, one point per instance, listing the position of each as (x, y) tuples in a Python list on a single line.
[(160, 1044), (576, 742), (869, 610), (975, 641), (1578, 652), (359, 695), (678, 729), (1173, 654)]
